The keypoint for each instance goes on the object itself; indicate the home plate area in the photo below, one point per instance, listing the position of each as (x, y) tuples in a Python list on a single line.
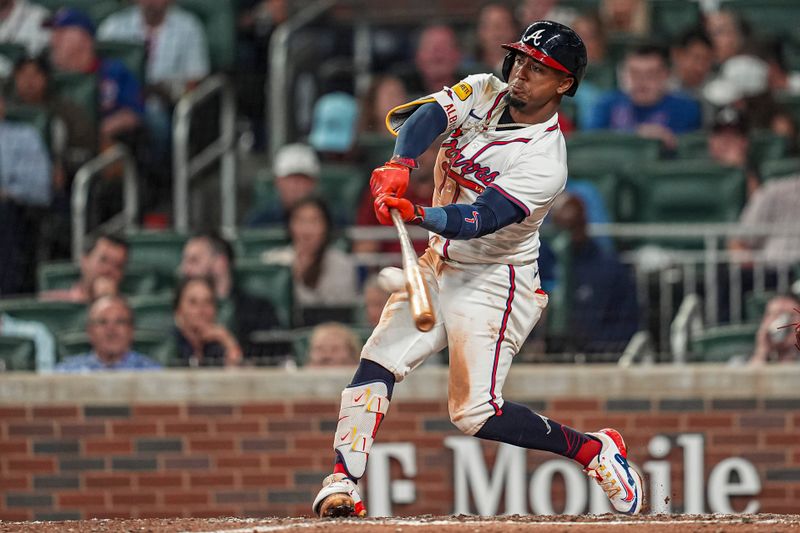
[(439, 524)]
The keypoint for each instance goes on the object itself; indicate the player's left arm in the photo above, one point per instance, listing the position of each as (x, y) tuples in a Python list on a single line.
[(489, 213)]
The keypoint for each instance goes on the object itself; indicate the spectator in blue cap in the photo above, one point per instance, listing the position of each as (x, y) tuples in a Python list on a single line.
[(73, 50)]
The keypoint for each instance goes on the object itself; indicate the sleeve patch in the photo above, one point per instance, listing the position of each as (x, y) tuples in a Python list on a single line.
[(463, 90)]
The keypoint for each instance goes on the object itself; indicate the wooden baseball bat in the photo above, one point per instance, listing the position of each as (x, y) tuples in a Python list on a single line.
[(418, 296)]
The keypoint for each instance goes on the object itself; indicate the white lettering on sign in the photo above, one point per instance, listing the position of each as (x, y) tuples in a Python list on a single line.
[(479, 488)]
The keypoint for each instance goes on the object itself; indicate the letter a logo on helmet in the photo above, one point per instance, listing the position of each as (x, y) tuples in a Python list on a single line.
[(552, 44)]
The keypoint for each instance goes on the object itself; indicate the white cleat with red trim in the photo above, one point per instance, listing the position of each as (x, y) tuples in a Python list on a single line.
[(338, 498), (619, 480)]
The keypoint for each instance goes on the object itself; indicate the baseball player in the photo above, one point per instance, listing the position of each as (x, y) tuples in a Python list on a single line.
[(501, 165)]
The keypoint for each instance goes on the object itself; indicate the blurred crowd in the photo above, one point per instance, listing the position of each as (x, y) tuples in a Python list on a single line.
[(80, 77)]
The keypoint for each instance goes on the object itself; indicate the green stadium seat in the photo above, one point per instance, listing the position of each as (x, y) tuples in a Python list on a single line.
[(720, 344), (251, 243), (670, 18), (152, 312), (62, 275), (613, 187), (792, 104), (767, 146), (377, 149), (158, 250), (97, 10), (611, 149), (146, 342), (218, 18), (17, 353), (131, 54), (57, 316), (768, 18), (80, 89), (12, 52), (688, 191), (692, 145), (341, 185), (780, 168), (603, 76), (270, 282), (755, 304)]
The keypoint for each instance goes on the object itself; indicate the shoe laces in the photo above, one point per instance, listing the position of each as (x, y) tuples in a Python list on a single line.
[(605, 478)]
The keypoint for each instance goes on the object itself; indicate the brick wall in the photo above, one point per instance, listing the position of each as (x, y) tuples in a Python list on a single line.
[(259, 455)]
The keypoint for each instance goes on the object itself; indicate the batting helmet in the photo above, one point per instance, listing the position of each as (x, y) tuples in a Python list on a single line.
[(552, 44)]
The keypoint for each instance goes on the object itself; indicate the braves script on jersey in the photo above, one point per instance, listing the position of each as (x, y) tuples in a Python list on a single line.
[(527, 165)]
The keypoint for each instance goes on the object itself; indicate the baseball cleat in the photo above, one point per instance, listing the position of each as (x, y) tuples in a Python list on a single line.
[(619, 480), (338, 498)]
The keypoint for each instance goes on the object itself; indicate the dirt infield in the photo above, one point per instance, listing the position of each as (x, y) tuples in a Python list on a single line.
[(438, 524)]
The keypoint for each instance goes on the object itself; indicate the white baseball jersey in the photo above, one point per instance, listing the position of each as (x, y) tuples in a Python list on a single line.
[(527, 165)]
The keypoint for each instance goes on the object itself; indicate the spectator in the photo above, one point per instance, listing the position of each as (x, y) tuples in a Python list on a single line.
[(627, 17), (743, 82), (384, 94), (776, 202), (42, 339), (781, 80), (72, 50), (775, 339), (21, 23), (729, 144), (209, 255), (375, 299), (590, 28), (296, 172), (531, 10), (177, 56), (110, 329), (645, 105), (25, 186), (496, 26), (333, 344), (692, 61), (728, 33), (32, 86), (323, 275), (200, 339), (102, 268), (436, 62), (604, 313), (333, 126)]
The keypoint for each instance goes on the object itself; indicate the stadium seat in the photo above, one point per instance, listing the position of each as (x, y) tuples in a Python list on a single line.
[(62, 275), (755, 304), (97, 10), (251, 243), (57, 316), (17, 353), (218, 18), (611, 149), (719, 344), (613, 186), (692, 145), (159, 250), (341, 186), (792, 104), (131, 54), (780, 168), (557, 314), (767, 17), (670, 18), (766, 146), (12, 52), (145, 341), (377, 149), (604, 76), (271, 282), (687, 191), (152, 312), (81, 89)]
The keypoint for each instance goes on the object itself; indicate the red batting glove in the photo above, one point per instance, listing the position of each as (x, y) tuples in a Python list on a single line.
[(392, 177), (410, 213)]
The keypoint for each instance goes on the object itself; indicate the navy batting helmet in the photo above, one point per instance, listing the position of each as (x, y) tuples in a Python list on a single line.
[(552, 44)]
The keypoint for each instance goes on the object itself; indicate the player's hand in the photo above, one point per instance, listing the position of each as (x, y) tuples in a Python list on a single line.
[(410, 213), (391, 179)]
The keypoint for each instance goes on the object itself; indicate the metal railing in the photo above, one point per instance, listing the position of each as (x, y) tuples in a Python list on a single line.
[(126, 219), (222, 149), (278, 88)]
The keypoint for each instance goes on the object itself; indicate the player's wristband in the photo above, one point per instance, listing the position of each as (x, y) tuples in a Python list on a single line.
[(409, 162)]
